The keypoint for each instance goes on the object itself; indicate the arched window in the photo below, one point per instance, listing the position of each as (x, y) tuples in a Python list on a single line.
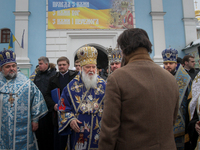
[(5, 35)]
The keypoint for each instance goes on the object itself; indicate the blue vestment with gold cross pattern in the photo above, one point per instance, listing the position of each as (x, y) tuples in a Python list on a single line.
[(184, 83), (86, 105), (16, 116)]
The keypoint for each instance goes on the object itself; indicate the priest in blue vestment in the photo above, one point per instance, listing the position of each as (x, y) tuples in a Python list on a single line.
[(21, 106), (184, 83), (81, 104)]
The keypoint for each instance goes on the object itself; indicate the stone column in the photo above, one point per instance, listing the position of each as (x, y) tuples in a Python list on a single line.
[(189, 21), (158, 30), (21, 23)]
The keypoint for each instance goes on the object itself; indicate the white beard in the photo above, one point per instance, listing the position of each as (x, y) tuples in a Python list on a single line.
[(90, 81), (123, 12)]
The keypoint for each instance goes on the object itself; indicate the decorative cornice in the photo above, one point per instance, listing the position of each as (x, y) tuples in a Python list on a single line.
[(190, 19), (21, 13), (93, 35), (91, 32), (157, 13)]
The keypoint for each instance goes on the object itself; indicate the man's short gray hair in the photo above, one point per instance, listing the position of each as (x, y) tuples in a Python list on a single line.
[(44, 59)]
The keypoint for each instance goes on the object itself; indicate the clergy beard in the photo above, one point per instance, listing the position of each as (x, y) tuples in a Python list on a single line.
[(90, 81), (173, 72), (123, 12), (10, 75)]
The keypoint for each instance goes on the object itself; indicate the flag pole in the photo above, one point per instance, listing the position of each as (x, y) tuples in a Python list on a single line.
[(22, 43), (18, 43)]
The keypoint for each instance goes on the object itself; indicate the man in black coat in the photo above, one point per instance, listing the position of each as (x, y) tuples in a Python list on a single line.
[(189, 65), (60, 80), (44, 133)]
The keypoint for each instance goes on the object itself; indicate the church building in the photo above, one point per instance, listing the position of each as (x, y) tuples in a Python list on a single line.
[(55, 28)]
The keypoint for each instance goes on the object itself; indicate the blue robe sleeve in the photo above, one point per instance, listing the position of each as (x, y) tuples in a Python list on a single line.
[(66, 112), (38, 105)]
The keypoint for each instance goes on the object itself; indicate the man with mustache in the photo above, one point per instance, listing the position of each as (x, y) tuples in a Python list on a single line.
[(116, 59), (83, 100), (184, 81), (21, 106)]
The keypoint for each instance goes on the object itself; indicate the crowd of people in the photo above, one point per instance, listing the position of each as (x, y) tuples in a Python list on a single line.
[(132, 104)]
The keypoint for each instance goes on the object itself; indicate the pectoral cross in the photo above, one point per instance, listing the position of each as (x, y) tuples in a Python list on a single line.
[(11, 99)]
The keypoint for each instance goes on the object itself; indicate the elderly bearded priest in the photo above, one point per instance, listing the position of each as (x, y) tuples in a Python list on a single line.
[(81, 104), (21, 105)]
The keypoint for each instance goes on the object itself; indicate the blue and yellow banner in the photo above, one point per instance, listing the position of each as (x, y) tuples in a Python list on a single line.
[(12, 39), (89, 14)]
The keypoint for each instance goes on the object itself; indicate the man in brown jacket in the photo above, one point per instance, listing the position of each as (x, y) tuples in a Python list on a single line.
[(141, 100)]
